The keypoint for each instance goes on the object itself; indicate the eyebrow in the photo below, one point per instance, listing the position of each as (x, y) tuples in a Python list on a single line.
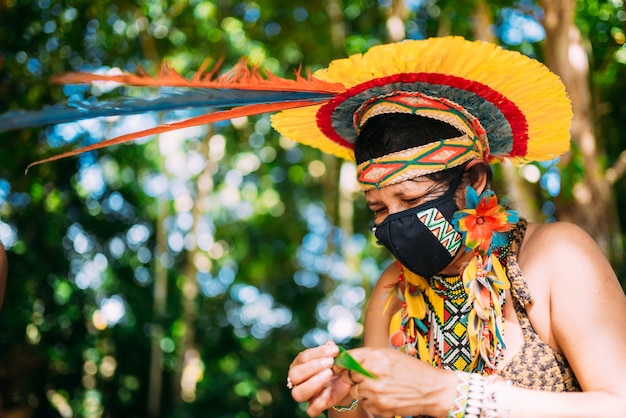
[(396, 194), (433, 189)]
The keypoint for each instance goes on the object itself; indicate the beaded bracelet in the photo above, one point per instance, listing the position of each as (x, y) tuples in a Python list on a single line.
[(475, 396), (480, 397), (350, 407), (490, 401), (457, 410)]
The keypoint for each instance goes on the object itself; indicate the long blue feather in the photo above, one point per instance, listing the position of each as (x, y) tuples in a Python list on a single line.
[(174, 99)]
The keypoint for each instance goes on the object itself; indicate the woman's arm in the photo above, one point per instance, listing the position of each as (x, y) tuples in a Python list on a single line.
[(587, 321), (382, 305)]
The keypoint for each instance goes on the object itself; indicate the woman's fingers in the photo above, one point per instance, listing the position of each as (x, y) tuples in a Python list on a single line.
[(334, 393), (327, 350), (311, 371), (314, 379), (312, 361), (350, 377), (319, 403), (307, 389), (305, 371)]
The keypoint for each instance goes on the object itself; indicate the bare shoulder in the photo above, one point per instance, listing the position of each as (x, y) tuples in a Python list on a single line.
[(554, 233), (387, 281), (565, 251)]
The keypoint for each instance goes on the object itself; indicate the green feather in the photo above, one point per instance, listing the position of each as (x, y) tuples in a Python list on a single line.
[(345, 360)]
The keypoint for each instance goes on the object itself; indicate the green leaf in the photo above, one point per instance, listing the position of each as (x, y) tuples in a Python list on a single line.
[(345, 360)]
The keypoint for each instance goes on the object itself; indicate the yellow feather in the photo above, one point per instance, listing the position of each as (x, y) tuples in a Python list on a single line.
[(469, 273), (500, 273), (422, 349), (396, 322), (473, 329), (415, 304), (300, 125)]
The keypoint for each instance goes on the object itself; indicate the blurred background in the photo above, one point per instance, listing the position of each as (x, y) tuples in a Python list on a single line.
[(178, 276)]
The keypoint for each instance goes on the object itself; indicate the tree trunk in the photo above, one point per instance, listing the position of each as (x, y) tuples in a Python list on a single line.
[(159, 294), (519, 192), (592, 206)]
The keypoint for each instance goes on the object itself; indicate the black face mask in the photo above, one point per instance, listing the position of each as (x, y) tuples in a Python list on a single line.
[(423, 238)]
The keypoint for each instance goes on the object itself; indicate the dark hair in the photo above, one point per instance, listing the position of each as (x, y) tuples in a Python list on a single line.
[(392, 132)]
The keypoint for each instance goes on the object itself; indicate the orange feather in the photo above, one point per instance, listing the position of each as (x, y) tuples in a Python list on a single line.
[(199, 120), (240, 77)]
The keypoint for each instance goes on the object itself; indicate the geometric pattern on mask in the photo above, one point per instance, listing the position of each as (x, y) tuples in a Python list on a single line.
[(441, 229)]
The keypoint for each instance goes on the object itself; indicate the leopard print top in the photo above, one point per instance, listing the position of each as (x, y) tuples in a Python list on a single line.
[(537, 365)]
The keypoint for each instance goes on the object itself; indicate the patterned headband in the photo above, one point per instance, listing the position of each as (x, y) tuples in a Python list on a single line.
[(414, 162), (410, 163), (417, 103)]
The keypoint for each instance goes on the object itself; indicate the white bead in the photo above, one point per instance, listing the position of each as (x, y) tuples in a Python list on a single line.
[(474, 403), (472, 410)]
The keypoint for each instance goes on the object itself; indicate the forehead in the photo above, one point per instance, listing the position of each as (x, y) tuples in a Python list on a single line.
[(417, 187)]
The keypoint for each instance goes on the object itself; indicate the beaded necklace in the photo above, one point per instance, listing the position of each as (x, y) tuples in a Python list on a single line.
[(456, 323), (439, 335)]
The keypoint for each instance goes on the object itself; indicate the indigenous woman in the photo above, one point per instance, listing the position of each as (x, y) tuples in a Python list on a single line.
[(483, 314)]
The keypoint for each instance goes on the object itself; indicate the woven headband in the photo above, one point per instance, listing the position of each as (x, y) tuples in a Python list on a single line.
[(440, 155), (413, 162)]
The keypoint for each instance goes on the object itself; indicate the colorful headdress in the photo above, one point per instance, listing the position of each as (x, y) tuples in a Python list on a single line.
[(506, 105)]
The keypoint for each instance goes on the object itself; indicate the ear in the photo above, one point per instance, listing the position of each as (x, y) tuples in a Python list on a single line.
[(480, 182)]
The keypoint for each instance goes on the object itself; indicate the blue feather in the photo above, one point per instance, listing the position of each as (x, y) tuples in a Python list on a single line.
[(167, 101)]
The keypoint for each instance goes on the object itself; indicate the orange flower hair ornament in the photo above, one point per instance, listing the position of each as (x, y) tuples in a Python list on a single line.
[(484, 222), (483, 225)]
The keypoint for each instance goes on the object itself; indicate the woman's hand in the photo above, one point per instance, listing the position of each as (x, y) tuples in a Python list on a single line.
[(404, 386), (315, 380)]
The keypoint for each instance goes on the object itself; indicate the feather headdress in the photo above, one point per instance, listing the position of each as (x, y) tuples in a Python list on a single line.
[(516, 107)]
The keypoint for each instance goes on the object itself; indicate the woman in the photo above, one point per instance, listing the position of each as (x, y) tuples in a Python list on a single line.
[(483, 314)]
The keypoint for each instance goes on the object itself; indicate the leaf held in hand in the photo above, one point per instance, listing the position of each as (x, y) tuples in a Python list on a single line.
[(345, 360)]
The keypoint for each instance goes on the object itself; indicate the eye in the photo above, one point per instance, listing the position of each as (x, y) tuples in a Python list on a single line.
[(379, 215), (413, 201)]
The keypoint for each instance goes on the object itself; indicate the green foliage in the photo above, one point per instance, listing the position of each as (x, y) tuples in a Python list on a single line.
[(602, 24)]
